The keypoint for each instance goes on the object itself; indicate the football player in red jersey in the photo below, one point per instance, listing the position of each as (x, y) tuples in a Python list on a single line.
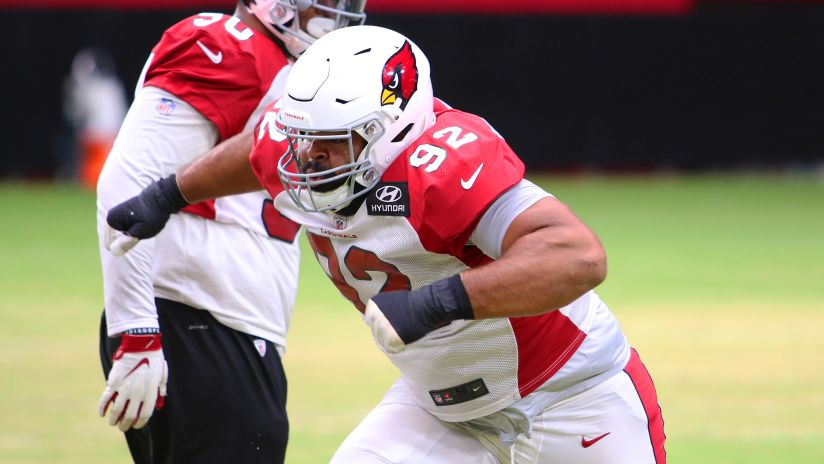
[(223, 312), (476, 283)]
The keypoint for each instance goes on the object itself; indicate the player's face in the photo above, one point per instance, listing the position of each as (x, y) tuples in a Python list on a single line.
[(323, 155)]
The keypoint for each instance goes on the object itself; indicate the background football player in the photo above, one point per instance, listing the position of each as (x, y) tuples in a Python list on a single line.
[(223, 311)]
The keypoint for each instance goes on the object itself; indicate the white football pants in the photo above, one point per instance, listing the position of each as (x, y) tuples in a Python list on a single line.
[(616, 422)]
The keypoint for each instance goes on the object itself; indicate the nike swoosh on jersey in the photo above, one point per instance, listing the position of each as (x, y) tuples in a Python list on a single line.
[(587, 443), (216, 58), (467, 184)]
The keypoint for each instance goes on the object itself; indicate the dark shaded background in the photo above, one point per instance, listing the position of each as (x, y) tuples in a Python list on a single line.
[(726, 85)]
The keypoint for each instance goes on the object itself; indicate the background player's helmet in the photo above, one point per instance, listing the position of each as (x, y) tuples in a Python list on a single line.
[(298, 23), (366, 80)]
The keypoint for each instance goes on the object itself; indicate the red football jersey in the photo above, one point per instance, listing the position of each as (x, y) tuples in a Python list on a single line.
[(208, 69), (218, 65), (229, 74)]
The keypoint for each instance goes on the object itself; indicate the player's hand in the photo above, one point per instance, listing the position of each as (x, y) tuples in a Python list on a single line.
[(386, 311), (137, 382), (399, 318), (144, 216)]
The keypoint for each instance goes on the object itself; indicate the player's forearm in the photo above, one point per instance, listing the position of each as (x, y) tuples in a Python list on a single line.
[(223, 170), (542, 271), (128, 288)]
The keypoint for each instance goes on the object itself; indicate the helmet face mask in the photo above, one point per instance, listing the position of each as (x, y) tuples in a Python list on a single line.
[(361, 82), (298, 23), (335, 187)]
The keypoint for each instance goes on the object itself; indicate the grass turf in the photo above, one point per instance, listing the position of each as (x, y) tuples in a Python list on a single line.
[(717, 281)]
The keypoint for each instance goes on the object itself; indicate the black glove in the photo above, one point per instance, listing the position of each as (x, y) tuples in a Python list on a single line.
[(402, 317), (145, 215)]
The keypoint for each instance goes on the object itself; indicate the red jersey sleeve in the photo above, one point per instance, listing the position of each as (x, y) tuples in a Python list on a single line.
[(269, 145), (455, 171), (218, 65)]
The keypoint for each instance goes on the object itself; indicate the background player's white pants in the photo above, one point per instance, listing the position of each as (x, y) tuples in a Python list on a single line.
[(399, 431)]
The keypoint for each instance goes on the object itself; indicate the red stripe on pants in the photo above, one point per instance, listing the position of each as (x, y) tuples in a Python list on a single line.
[(642, 381)]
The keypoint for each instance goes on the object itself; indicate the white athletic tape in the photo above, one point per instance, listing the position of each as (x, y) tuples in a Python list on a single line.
[(383, 333), (119, 243)]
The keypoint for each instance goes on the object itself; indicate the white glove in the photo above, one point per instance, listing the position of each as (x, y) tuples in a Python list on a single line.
[(137, 382)]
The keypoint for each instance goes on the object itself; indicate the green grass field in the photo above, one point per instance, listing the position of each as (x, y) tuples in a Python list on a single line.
[(718, 282)]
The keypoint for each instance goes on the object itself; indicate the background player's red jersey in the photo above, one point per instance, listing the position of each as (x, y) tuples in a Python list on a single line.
[(208, 69), (218, 65)]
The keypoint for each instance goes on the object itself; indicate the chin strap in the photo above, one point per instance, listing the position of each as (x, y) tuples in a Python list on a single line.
[(350, 208)]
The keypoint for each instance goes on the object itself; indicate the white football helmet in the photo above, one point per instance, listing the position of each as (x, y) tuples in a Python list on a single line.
[(362, 79), (298, 23)]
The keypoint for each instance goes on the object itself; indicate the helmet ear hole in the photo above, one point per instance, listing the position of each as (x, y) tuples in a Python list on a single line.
[(281, 15)]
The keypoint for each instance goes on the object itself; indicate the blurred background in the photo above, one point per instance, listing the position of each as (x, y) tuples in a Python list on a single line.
[(577, 85), (688, 133)]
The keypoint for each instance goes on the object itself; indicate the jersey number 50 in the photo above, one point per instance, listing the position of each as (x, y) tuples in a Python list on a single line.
[(231, 24)]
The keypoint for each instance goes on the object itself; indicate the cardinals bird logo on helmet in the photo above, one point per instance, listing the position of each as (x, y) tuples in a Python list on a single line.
[(323, 102), (400, 77)]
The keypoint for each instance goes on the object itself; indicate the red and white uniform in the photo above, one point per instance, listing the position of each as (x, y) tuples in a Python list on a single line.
[(452, 173), (455, 182), (208, 78)]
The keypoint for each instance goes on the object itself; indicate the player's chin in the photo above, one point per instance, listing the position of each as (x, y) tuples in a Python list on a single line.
[(322, 185)]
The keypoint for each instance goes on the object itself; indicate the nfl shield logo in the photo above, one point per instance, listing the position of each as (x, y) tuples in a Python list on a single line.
[(166, 106), (261, 346)]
